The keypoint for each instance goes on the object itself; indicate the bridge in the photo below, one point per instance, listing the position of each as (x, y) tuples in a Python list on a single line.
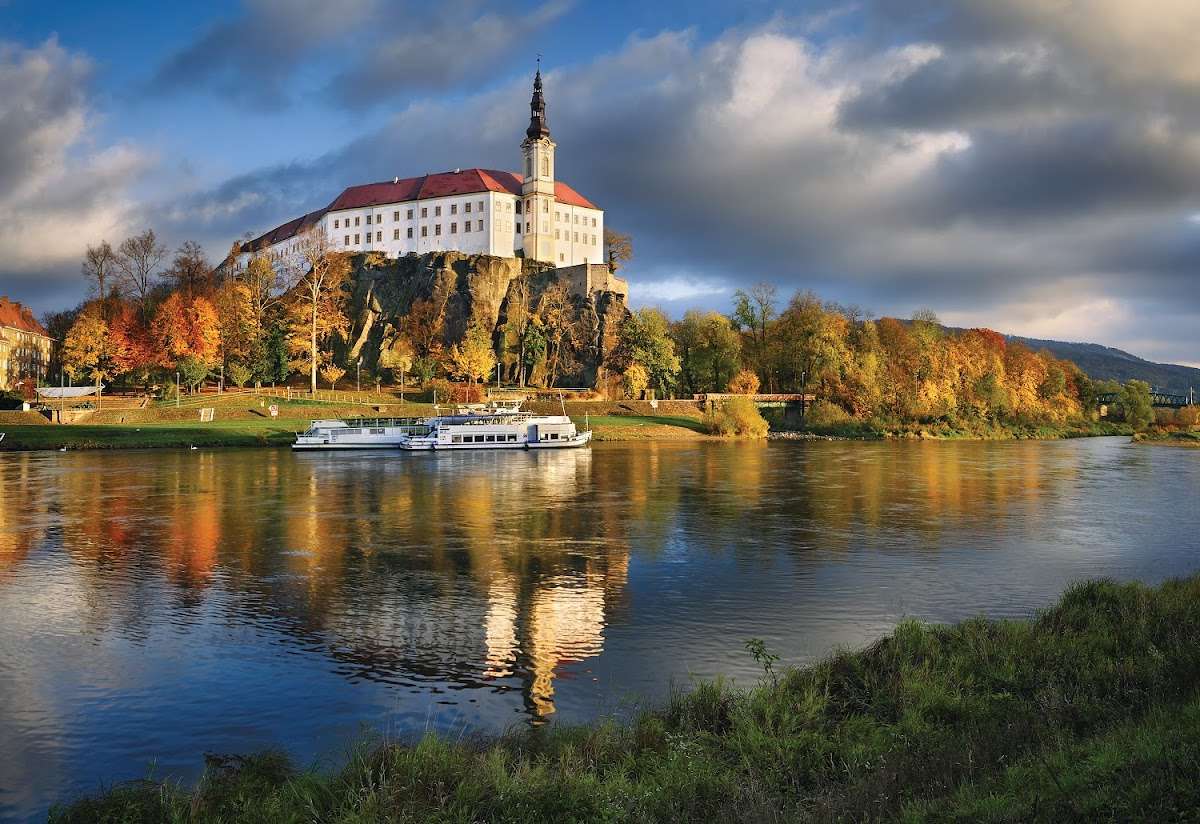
[(1158, 398), (772, 400)]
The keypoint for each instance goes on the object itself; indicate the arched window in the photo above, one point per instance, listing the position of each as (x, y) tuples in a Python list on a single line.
[(545, 166)]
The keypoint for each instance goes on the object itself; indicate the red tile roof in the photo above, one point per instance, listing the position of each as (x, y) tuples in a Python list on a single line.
[(443, 184), (16, 316)]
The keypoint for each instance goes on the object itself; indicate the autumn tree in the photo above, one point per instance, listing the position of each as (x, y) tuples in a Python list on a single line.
[(187, 328), (316, 302), (332, 373), (618, 248), (473, 357), (745, 382), (555, 316), (190, 271), (518, 318), (398, 356), (635, 381), (137, 262), (240, 328), (708, 348), (754, 312), (87, 349)]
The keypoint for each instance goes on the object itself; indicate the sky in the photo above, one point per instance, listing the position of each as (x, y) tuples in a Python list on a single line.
[(1032, 166)]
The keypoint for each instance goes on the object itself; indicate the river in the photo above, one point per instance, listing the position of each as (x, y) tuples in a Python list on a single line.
[(157, 605)]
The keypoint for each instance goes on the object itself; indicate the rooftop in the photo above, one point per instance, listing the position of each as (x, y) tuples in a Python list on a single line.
[(401, 190), (15, 316)]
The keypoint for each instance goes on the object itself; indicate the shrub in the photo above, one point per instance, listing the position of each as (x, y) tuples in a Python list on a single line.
[(452, 392), (1188, 417), (824, 414), (744, 382), (737, 416), (239, 374)]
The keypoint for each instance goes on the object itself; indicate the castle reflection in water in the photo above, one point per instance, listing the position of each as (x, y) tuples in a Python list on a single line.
[(441, 572)]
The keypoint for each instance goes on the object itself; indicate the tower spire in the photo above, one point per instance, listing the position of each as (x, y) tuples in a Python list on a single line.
[(538, 125)]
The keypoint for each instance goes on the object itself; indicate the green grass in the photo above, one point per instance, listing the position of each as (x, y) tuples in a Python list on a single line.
[(153, 435), (1088, 711), (694, 424)]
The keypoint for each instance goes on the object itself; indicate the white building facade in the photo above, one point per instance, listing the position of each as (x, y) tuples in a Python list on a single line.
[(474, 211)]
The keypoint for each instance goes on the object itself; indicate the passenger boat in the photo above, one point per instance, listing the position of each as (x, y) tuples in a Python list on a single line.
[(505, 429), (360, 433)]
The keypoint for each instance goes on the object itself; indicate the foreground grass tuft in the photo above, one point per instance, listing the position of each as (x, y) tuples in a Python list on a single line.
[(1089, 711)]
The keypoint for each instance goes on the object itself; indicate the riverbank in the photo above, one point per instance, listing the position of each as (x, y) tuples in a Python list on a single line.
[(1169, 438), (1087, 711)]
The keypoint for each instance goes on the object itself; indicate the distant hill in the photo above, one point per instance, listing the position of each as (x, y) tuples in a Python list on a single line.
[(1107, 363)]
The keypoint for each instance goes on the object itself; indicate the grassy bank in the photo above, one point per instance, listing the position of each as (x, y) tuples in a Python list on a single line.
[(941, 430), (1161, 437), (1088, 711)]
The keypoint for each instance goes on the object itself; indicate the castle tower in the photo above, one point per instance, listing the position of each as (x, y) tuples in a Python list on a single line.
[(537, 187)]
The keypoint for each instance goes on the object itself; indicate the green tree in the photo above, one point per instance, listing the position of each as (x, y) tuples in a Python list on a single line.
[(239, 374), (1135, 401), (645, 339), (192, 371)]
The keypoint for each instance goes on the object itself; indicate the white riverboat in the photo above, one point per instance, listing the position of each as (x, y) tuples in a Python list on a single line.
[(506, 429), (360, 433)]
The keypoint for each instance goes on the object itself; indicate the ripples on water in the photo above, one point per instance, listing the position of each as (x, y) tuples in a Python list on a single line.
[(157, 605)]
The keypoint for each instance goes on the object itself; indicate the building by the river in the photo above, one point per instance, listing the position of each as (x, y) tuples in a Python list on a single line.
[(24, 345), (528, 214)]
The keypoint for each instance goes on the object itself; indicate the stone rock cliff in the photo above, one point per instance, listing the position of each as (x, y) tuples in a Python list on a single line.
[(474, 289)]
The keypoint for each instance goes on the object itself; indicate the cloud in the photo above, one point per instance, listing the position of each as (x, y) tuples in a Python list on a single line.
[(1007, 162), (57, 191), (446, 51), (252, 58)]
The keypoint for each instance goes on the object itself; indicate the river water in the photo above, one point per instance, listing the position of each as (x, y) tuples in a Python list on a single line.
[(157, 605)]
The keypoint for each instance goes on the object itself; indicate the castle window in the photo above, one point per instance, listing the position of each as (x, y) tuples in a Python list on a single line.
[(410, 214), (410, 232), (437, 211), (518, 228), (466, 226), (395, 234), (454, 228), (424, 211), (356, 221), (480, 225), (453, 208), (356, 240), (379, 218), (576, 239), (545, 207), (528, 166), (467, 207), (577, 218), (347, 243), (481, 205), (593, 223), (395, 216), (335, 224), (424, 231), (556, 234), (545, 166), (561, 257), (437, 230), (378, 237), (518, 207)]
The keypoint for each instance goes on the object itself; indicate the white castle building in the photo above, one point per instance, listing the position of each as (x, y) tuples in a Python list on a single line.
[(474, 211)]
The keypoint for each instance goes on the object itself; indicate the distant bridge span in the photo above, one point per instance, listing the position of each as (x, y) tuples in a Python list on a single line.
[(1164, 400)]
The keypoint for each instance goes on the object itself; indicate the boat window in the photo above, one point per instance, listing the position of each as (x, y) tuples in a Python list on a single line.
[(456, 439), (376, 431), (512, 438), (490, 438)]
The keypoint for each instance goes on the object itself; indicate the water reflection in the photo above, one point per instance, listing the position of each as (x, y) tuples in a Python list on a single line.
[(154, 605)]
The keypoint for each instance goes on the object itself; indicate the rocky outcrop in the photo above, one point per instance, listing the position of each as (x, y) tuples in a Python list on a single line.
[(468, 290)]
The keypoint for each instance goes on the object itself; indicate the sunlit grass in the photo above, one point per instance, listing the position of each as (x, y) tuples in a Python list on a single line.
[(1088, 711)]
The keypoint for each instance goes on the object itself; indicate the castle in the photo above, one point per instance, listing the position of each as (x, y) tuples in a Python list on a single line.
[(473, 211)]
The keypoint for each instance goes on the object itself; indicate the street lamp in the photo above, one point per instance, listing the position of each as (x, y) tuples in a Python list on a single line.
[(358, 377), (176, 388)]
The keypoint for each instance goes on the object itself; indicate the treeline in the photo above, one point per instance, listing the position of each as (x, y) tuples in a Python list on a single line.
[(859, 367), (155, 315)]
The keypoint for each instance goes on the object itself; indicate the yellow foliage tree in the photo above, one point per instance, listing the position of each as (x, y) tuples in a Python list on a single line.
[(473, 358)]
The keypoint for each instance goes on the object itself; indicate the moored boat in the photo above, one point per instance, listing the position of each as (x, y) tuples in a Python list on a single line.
[(498, 430), (359, 433)]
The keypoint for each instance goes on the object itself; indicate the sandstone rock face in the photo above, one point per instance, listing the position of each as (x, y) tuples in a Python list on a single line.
[(472, 289)]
